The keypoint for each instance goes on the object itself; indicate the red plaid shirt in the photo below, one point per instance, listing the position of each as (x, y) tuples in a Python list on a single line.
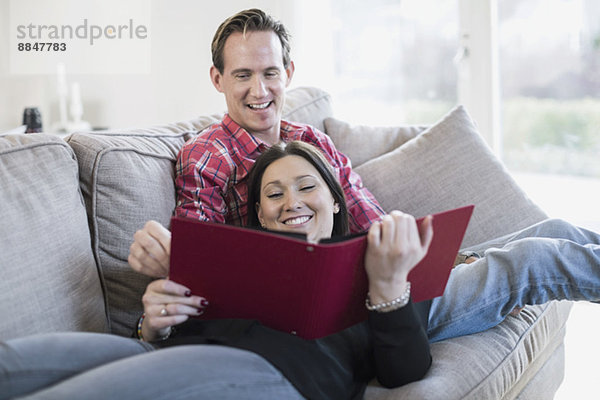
[(212, 169)]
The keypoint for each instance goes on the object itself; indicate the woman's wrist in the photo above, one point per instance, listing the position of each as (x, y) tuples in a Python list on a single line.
[(148, 334), (380, 292), (385, 304)]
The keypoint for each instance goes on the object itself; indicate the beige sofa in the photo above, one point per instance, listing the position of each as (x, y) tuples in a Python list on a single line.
[(69, 208)]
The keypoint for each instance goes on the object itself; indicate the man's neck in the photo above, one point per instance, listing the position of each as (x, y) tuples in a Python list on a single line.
[(271, 137)]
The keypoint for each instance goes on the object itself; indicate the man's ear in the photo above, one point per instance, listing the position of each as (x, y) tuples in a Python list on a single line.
[(289, 71), (215, 78)]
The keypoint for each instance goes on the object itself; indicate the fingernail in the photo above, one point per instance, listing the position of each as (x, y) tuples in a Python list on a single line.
[(204, 302), (188, 293), (199, 311)]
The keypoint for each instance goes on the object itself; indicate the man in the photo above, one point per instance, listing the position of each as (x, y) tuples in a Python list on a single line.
[(252, 68)]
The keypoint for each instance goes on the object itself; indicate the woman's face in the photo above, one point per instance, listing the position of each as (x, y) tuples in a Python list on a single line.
[(295, 198)]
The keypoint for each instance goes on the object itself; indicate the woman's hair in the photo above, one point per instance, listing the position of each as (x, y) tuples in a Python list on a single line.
[(314, 156), (252, 20)]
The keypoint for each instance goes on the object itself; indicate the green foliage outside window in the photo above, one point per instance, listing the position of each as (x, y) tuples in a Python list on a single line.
[(552, 136)]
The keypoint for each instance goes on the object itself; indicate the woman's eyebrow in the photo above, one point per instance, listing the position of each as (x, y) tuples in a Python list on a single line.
[(296, 178), (276, 182)]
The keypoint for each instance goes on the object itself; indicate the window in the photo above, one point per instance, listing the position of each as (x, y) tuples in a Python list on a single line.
[(394, 60), (550, 85)]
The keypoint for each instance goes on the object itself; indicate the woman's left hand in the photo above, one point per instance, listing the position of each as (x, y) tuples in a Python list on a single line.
[(167, 303), (395, 246)]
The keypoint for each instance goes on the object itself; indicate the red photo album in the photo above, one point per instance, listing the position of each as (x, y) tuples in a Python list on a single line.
[(288, 284)]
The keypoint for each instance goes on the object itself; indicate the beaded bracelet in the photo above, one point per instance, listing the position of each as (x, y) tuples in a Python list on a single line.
[(139, 330), (392, 305)]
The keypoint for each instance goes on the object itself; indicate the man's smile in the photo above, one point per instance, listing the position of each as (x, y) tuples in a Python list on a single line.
[(260, 106)]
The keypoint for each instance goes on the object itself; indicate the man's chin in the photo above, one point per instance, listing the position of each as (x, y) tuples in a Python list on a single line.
[(263, 127)]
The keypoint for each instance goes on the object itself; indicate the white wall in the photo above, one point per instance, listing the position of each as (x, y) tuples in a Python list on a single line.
[(178, 86)]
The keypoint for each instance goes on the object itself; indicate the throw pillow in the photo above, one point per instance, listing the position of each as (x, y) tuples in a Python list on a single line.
[(447, 166), (362, 143)]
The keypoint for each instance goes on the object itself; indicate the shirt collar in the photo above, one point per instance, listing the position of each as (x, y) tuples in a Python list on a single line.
[(250, 143)]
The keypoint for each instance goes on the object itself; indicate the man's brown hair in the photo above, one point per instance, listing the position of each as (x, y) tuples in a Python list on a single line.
[(251, 20)]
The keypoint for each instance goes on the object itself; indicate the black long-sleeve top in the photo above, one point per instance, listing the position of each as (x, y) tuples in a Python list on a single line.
[(392, 347)]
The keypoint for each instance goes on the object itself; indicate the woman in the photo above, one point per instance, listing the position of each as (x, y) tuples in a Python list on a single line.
[(294, 190)]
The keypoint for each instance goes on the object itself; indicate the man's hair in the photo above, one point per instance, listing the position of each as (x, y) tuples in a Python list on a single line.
[(251, 20), (314, 156)]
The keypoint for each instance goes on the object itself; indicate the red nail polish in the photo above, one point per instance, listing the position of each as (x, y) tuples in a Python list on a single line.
[(188, 293), (204, 302)]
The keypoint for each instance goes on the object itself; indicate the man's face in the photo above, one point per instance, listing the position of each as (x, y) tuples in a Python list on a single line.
[(254, 81)]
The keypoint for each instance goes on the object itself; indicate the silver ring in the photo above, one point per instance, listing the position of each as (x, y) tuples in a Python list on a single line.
[(164, 312)]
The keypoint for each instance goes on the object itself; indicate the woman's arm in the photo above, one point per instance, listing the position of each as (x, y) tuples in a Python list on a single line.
[(400, 345)]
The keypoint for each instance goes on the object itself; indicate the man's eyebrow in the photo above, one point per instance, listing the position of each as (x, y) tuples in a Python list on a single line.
[(249, 71), (240, 70)]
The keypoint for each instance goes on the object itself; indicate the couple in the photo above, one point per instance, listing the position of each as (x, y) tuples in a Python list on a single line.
[(293, 188), (252, 67)]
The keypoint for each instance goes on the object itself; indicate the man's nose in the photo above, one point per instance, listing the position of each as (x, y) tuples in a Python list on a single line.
[(258, 89)]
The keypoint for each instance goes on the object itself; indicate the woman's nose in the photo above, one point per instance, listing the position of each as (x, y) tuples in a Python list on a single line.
[(292, 202)]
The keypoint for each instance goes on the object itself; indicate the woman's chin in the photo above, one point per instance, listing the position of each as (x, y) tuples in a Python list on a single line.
[(300, 230)]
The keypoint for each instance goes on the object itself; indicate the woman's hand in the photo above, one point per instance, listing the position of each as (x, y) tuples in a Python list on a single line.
[(167, 303), (150, 251), (395, 246)]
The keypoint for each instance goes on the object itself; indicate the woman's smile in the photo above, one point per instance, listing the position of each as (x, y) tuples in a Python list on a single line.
[(297, 221)]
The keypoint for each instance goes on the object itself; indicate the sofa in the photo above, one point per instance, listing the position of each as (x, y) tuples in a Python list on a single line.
[(69, 207)]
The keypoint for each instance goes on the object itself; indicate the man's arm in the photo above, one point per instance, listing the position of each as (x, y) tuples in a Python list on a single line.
[(201, 179), (200, 182), (363, 208)]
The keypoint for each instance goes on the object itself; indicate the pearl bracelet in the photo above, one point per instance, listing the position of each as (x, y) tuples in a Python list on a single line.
[(392, 305)]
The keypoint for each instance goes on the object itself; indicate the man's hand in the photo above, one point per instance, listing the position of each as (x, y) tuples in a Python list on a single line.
[(150, 251)]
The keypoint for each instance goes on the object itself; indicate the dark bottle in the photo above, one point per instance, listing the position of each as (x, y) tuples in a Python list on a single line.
[(33, 119)]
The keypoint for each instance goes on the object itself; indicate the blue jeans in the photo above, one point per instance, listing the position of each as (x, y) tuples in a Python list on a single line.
[(78, 365), (552, 260)]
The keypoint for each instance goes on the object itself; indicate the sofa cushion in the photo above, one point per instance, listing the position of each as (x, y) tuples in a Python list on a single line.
[(362, 143), (307, 105), (447, 166), (127, 178), (495, 364), (49, 277)]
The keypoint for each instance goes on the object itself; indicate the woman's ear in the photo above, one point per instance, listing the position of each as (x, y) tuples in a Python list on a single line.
[(260, 215)]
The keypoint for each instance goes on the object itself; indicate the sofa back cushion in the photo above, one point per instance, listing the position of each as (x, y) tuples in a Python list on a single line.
[(362, 143), (49, 277), (449, 165), (127, 178)]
